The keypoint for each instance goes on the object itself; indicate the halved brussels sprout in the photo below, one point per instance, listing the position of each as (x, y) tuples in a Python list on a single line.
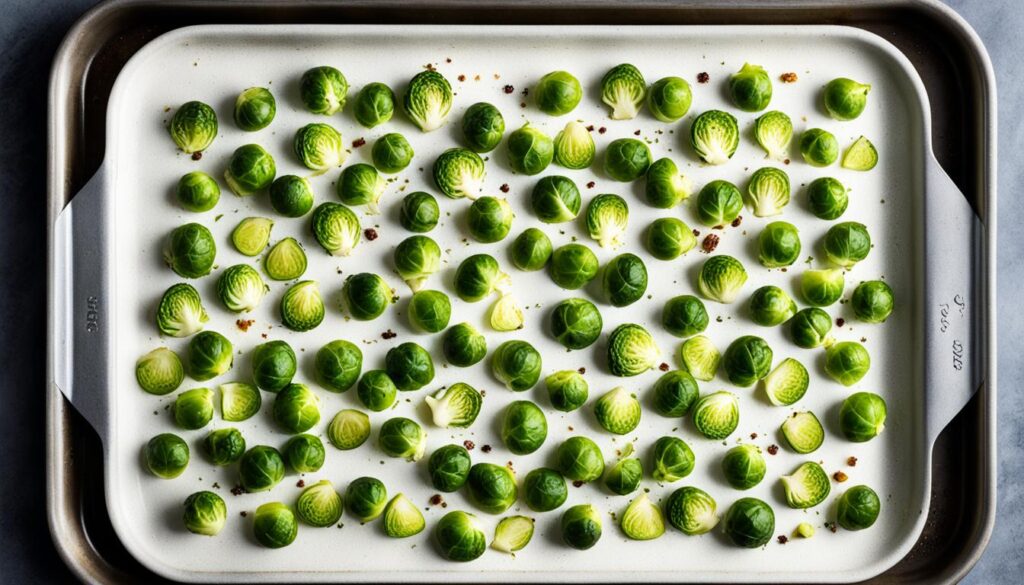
[(773, 132), (524, 428), (209, 355), (260, 469), (862, 416), (668, 238), (717, 415), (576, 323), (778, 245), (719, 203), (771, 306), (810, 328), (241, 288), (402, 518), (273, 365), (197, 191), (607, 218), (714, 136), (366, 295), (224, 446), (456, 406), (463, 345), (555, 199), (505, 314), (391, 153), (691, 510), (239, 401), (558, 93), (623, 89), (827, 198), (574, 147), (319, 147), (684, 316), (624, 280), (291, 196), (787, 383), (721, 278), (286, 260), (751, 88), (376, 391), (544, 490), (361, 184), (747, 360), (489, 219), (252, 235), (166, 455), (666, 187), (460, 537), (512, 534), (305, 453), (323, 90), (700, 357), (531, 250), (296, 408), (516, 364), (374, 105), (847, 362), (672, 459), (581, 526), (872, 301), (573, 266), (642, 519), (858, 508), (669, 98), (675, 393), (250, 169), (626, 159), (190, 250), (336, 228), (319, 505), (623, 478), (749, 523), (365, 498), (618, 411), (274, 525), (567, 390), (416, 258), (530, 151), (159, 371), (860, 156), (448, 468), (803, 432), (482, 127), (743, 466), (205, 513), (429, 310), (822, 288), (845, 98), (348, 429), (819, 147), (338, 364), (477, 277), (580, 459), (409, 366), (492, 487), (402, 437), (428, 100), (420, 212), (193, 127), (847, 243), (459, 173), (302, 307), (631, 350), (768, 191), (806, 487)]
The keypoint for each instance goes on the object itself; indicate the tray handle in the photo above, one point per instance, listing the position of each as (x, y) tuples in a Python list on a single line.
[(82, 316)]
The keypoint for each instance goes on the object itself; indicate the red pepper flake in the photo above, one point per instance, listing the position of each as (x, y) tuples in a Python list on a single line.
[(301, 483), (508, 89), (244, 513), (783, 539), (710, 243), (462, 78), (237, 490), (469, 445), (486, 448), (753, 436), (244, 324), (788, 77), (703, 77), (582, 370), (577, 483), (663, 367), (436, 500), (840, 476), (590, 128), (773, 449), (358, 142), (389, 334), (637, 133), (504, 188), (602, 130), (591, 185), (840, 321), (197, 155), (736, 222), (851, 461), (370, 233)]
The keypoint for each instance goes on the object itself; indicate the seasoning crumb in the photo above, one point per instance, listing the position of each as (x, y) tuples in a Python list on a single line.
[(703, 77), (788, 77), (773, 449), (591, 185), (577, 483), (783, 539), (840, 476), (840, 321), (863, 339), (590, 128), (522, 104), (358, 142), (696, 232), (636, 133), (571, 428), (301, 483), (736, 222), (237, 490), (851, 461), (448, 60), (462, 78), (508, 89), (469, 445), (602, 130), (244, 324), (710, 243), (753, 436), (831, 526), (436, 500), (663, 367), (486, 448), (243, 513), (526, 91), (370, 233), (582, 370), (197, 155), (263, 335), (504, 188)]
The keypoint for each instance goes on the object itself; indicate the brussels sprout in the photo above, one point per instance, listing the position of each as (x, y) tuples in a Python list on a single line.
[(366, 295), (374, 105), (544, 490), (847, 362), (573, 266), (197, 192), (429, 311), (714, 136), (668, 238), (827, 198), (159, 371), (666, 187), (251, 235), (623, 478), (402, 518), (847, 243), (555, 199), (302, 307), (273, 365), (492, 487), (224, 446), (366, 498), (516, 364), (448, 468), (858, 508), (250, 169), (416, 258), (751, 88), (721, 278), (319, 147), (193, 127), (530, 151), (459, 173), (274, 525), (409, 366), (669, 98), (768, 191), (872, 301), (260, 468), (558, 93), (862, 416), (806, 487), (428, 100), (239, 401), (166, 456), (624, 280), (626, 159), (402, 437), (286, 260), (771, 306), (574, 147), (190, 250), (291, 196), (392, 153), (860, 156), (576, 323), (419, 212), (376, 391), (338, 364), (778, 245), (671, 459), (319, 505), (482, 127), (684, 316), (743, 466), (691, 510), (607, 218), (719, 203), (305, 453), (581, 526), (717, 415), (524, 427), (205, 513), (336, 228), (505, 314), (674, 394), (623, 89), (209, 355), (749, 523), (489, 219), (774, 131), (747, 360), (818, 147), (631, 351), (477, 277), (803, 432), (240, 288), (460, 537), (642, 519), (456, 406), (617, 411), (323, 90), (567, 390), (822, 288), (296, 408), (845, 98), (580, 459), (787, 383), (810, 328), (348, 429), (463, 345), (361, 184), (512, 534), (531, 250), (700, 357)]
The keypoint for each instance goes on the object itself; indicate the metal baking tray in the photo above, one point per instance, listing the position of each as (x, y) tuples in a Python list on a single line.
[(932, 418)]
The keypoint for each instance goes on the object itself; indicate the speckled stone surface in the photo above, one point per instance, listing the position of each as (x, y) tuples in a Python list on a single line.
[(30, 31)]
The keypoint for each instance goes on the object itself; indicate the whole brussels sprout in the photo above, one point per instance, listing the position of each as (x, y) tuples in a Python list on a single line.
[(459, 173), (193, 409), (365, 498), (847, 362), (749, 523), (747, 360), (492, 487), (768, 191), (489, 219), (806, 487), (482, 127), (567, 390), (374, 105), (420, 212), (631, 350), (778, 245), (361, 184), (860, 156), (166, 456), (296, 408), (684, 316), (348, 429), (319, 505), (607, 218), (555, 199), (305, 453), (573, 266), (716, 415), (286, 260), (302, 307), (455, 406), (531, 250), (402, 437), (205, 513), (260, 468), (197, 191), (803, 432), (574, 147), (323, 90), (819, 147), (624, 280), (250, 169), (862, 416), (448, 468), (402, 518), (530, 151), (391, 153), (691, 510), (558, 93), (581, 526), (700, 357), (773, 132), (858, 508), (618, 411), (516, 364), (847, 243), (576, 323), (376, 391), (274, 525), (669, 98), (193, 127), (787, 383), (224, 446), (671, 459), (642, 520), (666, 187), (743, 466), (319, 147), (623, 478), (209, 355), (715, 135), (827, 198), (721, 278), (251, 235), (336, 228), (524, 427), (239, 401), (477, 277), (429, 310), (159, 372), (668, 238), (460, 537), (719, 203), (273, 365), (416, 258), (822, 288), (872, 301), (291, 196), (771, 306), (338, 364), (366, 295), (544, 490), (409, 366), (190, 250), (626, 159), (845, 98), (751, 88), (428, 100), (241, 288), (675, 393), (623, 89), (810, 327), (463, 345), (580, 459)]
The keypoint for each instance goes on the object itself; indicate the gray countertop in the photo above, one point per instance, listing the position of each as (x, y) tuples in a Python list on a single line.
[(30, 31)]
